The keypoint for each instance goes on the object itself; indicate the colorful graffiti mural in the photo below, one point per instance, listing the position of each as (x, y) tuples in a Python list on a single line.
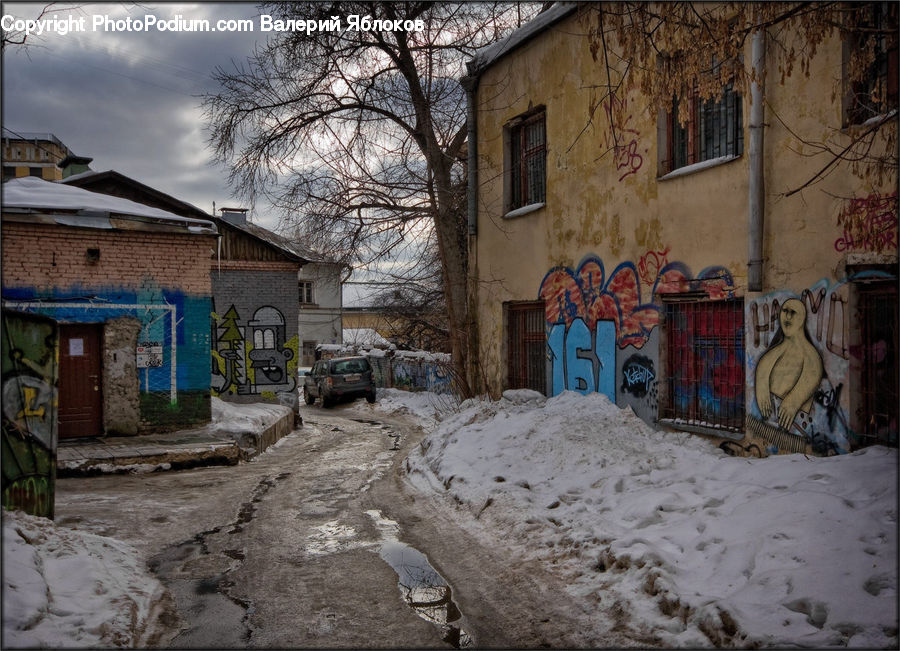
[(589, 315), (253, 358), (796, 345), (29, 365)]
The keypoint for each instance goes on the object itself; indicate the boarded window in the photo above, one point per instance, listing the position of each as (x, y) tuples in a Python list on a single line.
[(526, 346), (705, 364)]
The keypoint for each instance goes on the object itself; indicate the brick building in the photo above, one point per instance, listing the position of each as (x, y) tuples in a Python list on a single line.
[(256, 303), (130, 286)]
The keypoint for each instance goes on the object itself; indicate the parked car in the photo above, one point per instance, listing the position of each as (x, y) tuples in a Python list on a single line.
[(340, 377)]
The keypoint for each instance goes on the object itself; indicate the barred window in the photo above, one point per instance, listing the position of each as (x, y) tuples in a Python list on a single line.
[(875, 38), (526, 161), (714, 128)]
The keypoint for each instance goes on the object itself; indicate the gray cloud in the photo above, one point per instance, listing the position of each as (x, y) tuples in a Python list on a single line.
[(129, 100)]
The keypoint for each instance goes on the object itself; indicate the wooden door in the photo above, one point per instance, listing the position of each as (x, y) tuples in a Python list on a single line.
[(80, 396)]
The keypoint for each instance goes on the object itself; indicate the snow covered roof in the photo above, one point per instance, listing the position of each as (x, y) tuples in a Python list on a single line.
[(488, 55), (364, 337), (33, 193)]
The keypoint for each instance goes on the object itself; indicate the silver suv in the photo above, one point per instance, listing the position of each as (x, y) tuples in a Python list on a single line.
[(332, 379)]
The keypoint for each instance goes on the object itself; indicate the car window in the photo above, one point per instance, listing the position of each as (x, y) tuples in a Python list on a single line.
[(346, 366)]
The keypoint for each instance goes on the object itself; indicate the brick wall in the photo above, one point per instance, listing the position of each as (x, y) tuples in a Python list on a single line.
[(161, 280), (44, 257), (256, 321)]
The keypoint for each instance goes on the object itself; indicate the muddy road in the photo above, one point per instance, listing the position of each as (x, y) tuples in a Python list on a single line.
[(320, 542)]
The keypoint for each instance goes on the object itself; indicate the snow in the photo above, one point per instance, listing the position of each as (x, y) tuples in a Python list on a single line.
[(65, 588), (242, 417), (664, 532), (367, 337), (32, 192), (662, 535)]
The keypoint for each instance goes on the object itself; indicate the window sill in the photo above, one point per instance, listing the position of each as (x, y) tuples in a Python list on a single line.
[(524, 210), (698, 167), (853, 128), (709, 430)]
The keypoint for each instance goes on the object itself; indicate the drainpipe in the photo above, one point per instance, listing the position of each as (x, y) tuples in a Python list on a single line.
[(470, 83), (757, 200)]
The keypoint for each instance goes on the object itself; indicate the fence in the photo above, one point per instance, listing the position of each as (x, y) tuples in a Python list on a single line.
[(400, 369)]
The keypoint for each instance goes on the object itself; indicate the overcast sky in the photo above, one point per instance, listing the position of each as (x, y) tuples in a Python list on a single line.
[(130, 100)]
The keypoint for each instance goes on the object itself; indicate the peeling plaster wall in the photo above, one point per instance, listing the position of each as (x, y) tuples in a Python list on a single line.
[(612, 237), (121, 389)]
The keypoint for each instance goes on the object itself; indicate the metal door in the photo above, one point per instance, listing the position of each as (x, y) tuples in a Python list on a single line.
[(80, 397)]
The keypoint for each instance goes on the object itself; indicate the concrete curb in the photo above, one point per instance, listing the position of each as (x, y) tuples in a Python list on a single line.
[(171, 451)]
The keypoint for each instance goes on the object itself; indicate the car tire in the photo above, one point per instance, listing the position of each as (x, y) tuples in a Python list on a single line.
[(308, 397), (327, 402), (370, 397)]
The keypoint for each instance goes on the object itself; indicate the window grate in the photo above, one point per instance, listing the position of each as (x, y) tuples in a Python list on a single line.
[(528, 149), (705, 364), (713, 129), (526, 347)]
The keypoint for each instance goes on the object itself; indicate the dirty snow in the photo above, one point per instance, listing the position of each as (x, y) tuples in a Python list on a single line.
[(240, 417), (65, 588), (665, 534)]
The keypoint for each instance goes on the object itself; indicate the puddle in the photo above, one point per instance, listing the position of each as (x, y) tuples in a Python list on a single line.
[(421, 587)]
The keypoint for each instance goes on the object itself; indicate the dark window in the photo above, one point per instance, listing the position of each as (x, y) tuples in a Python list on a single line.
[(875, 35), (9, 172), (526, 346), (880, 398), (527, 161), (712, 129), (306, 291), (705, 364), (36, 171)]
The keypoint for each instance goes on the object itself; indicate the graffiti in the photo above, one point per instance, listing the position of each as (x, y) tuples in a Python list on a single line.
[(872, 224), (625, 156), (580, 349), (254, 358), (764, 318), (650, 264), (582, 361), (637, 375), (29, 415), (790, 369)]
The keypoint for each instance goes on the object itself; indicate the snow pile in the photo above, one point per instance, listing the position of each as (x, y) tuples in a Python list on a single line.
[(65, 588), (427, 407), (667, 536), (240, 417)]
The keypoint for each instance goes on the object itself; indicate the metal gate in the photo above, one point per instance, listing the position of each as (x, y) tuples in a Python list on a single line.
[(526, 346)]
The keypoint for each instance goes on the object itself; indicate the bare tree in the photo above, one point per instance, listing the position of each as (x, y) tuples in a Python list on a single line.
[(357, 135), (669, 50)]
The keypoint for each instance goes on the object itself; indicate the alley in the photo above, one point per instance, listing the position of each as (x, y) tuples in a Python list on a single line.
[(316, 544)]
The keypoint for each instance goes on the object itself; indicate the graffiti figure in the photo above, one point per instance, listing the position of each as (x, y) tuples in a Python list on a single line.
[(790, 370)]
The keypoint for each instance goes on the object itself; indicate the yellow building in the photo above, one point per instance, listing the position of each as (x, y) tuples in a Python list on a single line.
[(674, 267), (38, 154)]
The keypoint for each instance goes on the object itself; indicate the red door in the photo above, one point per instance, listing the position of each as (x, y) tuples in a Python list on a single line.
[(80, 399)]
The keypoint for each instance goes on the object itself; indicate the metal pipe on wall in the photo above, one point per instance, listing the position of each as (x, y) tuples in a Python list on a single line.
[(757, 199)]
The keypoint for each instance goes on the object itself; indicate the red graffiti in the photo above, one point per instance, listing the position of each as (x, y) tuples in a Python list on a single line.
[(625, 153), (870, 224), (650, 264)]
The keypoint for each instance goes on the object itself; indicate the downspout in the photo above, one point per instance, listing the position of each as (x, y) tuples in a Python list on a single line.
[(757, 199), (470, 83)]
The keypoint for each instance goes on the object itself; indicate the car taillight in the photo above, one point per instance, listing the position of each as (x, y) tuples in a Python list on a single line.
[(329, 381)]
